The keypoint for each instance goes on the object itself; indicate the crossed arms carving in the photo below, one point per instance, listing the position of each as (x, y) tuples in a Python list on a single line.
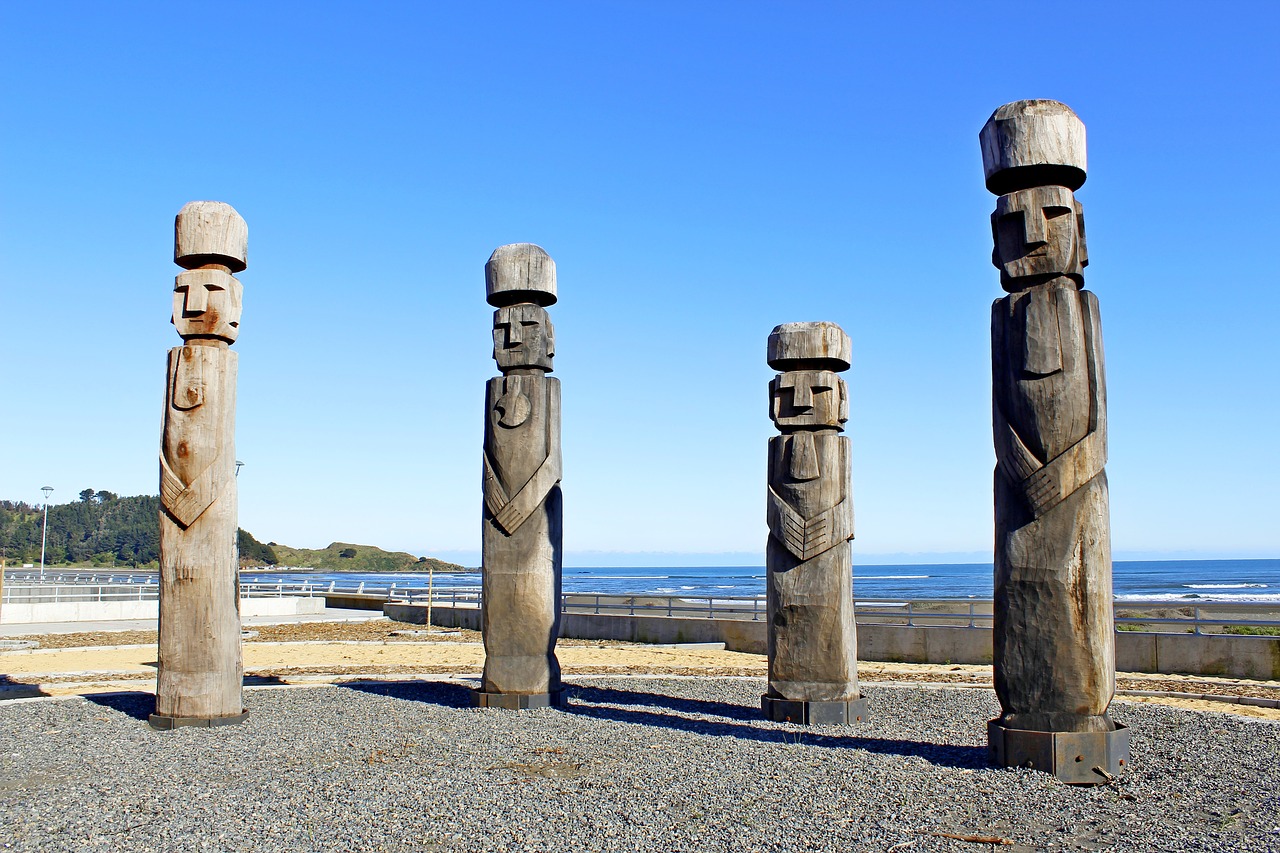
[(187, 501), (807, 538), (512, 511), (1045, 485)]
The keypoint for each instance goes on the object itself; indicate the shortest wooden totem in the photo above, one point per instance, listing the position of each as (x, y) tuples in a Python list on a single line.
[(521, 518), (813, 647), (200, 668)]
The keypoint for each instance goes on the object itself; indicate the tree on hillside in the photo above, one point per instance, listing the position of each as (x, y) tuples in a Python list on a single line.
[(253, 552)]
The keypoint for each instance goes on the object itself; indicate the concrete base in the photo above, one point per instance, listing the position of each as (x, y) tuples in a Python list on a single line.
[(519, 701), (838, 713), (168, 723), (1077, 758)]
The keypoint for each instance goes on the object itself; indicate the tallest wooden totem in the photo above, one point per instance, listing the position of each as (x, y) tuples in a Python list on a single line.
[(1054, 637), (200, 668), (521, 536)]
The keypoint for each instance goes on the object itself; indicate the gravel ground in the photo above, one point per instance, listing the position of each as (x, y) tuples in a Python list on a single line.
[(655, 763)]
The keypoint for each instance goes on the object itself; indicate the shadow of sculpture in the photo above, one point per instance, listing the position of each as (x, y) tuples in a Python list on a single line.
[(138, 704), (947, 755), (10, 689), (446, 694), (679, 704)]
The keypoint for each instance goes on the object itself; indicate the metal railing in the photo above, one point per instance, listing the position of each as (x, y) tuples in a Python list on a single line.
[(57, 593), (148, 590), (64, 576), (1201, 616), (1207, 617)]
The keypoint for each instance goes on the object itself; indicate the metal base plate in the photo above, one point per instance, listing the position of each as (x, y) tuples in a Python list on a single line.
[(1077, 758), (837, 713), (519, 701), (161, 723)]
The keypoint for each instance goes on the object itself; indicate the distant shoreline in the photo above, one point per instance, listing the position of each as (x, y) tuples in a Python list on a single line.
[(302, 570)]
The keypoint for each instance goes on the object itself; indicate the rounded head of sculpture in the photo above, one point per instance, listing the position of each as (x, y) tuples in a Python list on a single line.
[(520, 272), (210, 232), (1031, 144), (809, 346)]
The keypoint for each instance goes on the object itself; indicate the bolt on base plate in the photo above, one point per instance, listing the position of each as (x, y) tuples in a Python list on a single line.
[(844, 712), (1077, 758), (164, 724), (520, 701)]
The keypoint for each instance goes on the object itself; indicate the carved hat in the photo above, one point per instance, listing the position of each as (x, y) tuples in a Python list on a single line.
[(210, 232), (1032, 144), (520, 272), (809, 346)]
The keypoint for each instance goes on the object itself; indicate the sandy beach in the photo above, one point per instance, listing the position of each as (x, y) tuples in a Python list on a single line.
[(315, 652)]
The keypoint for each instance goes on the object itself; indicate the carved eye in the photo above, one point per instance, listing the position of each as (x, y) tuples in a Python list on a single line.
[(1054, 211)]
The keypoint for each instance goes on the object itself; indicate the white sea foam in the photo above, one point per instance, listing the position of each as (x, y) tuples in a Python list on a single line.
[(1225, 585), (1201, 598), (891, 577), (622, 577)]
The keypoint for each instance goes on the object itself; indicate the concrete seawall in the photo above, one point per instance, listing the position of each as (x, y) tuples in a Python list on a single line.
[(20, 613), (1188, 654)]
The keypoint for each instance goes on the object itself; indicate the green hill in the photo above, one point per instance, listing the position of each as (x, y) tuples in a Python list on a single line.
[(102, 529), (346, 557)]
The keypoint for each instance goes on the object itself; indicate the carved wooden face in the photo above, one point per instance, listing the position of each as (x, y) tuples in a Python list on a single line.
[(523, 337), (207, 304), (1038, 235), (808, 398)]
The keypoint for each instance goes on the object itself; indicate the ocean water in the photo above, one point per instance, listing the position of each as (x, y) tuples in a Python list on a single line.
[(1187, 581)]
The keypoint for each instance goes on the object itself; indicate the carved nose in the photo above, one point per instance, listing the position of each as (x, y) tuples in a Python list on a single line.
[(801, 396), (514, 338), (1034, 227)]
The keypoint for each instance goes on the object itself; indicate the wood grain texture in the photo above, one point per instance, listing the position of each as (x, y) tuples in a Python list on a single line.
[(813, 346), (520, 272), (200, 666), (522, 508), (1054, 640), (1033, 143), (200, 670), (812, 641), (210, 232)]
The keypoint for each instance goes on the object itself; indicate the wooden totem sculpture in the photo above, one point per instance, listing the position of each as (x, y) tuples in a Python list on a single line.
[(200, 668), (1054, 631), (813, 649), (522, 509)]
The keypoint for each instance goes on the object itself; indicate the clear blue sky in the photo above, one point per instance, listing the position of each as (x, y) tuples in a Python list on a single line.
[(700, 173)]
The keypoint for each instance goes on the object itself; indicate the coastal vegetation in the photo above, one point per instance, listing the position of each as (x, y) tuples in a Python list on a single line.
[(103, 530), (346, 557)]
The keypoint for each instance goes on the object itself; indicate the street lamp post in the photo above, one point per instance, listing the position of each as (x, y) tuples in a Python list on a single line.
[(44, 533)]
